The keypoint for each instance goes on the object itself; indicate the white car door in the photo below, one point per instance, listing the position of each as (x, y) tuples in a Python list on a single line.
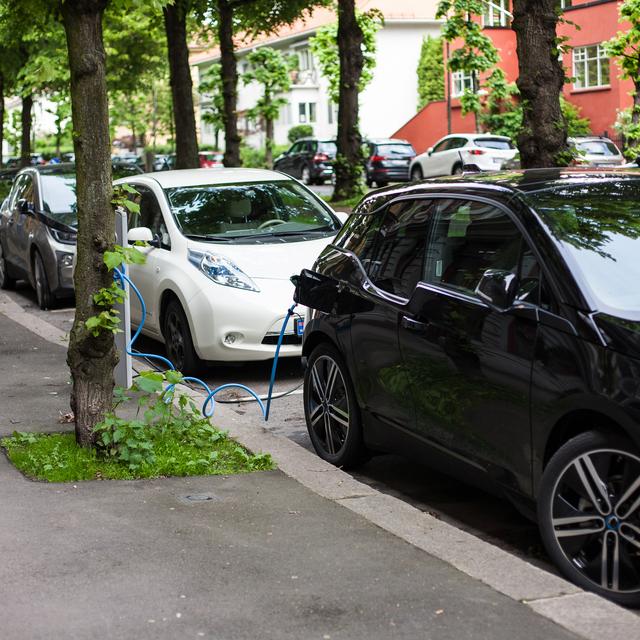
[(433, 162)]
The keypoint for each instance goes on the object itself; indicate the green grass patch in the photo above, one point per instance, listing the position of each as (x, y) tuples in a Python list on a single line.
[(57, 458), (342, 204)]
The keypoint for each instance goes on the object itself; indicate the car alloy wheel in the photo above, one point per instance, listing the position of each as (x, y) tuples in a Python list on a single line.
[(6, 281), (416, 174), (589, 513), (331, 410), (178, 342), (306, 175), (457, 170), (43, 293)]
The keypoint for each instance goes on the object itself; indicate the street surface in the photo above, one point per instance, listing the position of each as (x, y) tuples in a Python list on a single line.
[(466, 507)]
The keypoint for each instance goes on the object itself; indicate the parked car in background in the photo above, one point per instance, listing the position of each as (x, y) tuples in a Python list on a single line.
[(387, 160), (491, 328), (127, 159), (224, 243), (34, 160), (596, 151), (38, 230), (211, 159), (451, 154), (309, 159)]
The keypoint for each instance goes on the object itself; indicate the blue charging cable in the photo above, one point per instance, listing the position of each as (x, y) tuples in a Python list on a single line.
[(208, 405)]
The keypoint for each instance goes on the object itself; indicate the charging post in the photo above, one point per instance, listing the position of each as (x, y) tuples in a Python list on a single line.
[(123, 371)]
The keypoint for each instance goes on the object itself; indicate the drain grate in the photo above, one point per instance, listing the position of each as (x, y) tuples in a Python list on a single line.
[(196, 498)]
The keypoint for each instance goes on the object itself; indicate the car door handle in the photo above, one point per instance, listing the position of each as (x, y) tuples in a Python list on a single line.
[(413, 325)]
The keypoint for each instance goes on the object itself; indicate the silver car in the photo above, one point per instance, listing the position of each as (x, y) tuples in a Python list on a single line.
[(38, 231), (596, 151)]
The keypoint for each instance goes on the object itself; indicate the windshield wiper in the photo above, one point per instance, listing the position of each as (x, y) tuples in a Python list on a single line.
[(195, 236)]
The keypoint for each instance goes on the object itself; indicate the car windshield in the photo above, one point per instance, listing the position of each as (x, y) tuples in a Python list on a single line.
[(598, 148), (599, 224), (263, 211), (493, 143), (59, 197), (396, 150)]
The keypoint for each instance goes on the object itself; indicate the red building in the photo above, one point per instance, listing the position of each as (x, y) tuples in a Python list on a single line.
[(596, 87)]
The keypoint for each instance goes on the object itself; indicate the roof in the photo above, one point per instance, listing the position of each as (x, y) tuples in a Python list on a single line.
[(393, 11), (200, 177)]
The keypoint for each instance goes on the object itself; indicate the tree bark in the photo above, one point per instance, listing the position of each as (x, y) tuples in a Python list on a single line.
[(175, 22), (25, 134), (268, 152), (91, 359), (348, 168), (543, 139), (229, 71)]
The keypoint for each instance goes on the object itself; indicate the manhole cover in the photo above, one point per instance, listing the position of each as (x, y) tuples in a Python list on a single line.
[(196, 498)]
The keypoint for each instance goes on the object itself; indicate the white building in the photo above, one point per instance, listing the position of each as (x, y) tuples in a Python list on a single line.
[(387, 102), (43, 120)]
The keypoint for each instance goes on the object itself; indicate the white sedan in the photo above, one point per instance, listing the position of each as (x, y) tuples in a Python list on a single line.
[(449, 156), (224, 243)]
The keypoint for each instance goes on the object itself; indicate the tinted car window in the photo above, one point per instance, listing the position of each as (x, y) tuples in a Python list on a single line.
[(465, 239), (395, 150), (493, 143), (395, 263), (598, 148), (457, 143), (59, 197), (599, 226), (442, 146), (327, 147)]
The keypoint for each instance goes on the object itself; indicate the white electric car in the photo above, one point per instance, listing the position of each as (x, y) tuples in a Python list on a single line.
[(223, 245)]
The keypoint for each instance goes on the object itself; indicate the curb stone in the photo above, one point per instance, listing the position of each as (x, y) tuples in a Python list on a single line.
[(585, 614)]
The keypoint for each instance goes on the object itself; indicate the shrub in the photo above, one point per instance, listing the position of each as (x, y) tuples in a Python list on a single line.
[(299, 131)]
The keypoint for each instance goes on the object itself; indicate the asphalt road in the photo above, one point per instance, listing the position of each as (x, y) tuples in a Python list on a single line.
[(467, 507)]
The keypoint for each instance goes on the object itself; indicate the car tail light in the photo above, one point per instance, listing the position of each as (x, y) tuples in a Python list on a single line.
[(476, 152), (320, 157), (378, 158)]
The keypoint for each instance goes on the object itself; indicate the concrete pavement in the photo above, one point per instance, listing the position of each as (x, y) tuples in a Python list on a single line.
[(267, 556)]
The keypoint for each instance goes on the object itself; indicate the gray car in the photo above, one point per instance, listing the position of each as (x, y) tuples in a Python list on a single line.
[(596, 151), (38, 231)]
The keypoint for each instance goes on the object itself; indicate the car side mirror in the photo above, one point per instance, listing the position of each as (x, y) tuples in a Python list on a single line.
[(140, 234), (429, 151), (497, 287)]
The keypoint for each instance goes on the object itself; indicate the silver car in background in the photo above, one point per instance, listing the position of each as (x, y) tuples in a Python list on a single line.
[(596, 151), (38, 231)]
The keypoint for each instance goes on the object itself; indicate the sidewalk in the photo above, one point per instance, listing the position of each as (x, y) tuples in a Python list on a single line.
[(265, 557)]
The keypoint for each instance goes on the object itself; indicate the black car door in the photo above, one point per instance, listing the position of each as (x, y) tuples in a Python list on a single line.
[(392, 255), (468, 359)]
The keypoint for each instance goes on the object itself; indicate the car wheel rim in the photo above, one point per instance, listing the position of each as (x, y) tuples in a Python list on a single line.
[(175, 340), (595, 516), (328, 405)]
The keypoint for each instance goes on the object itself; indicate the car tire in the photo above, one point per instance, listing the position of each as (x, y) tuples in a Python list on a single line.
[(416, 173), (457, 170), (380, 184), (178, 340), (41, 283), (6, 281), (305, 175), (592, 478), (333, 422)]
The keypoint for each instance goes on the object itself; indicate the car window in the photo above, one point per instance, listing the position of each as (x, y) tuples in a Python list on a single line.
[(396, 260), (493, 143), (456, 143), (297, 147), (443, 145), (598, 148), (465, 239), (401, 150), (23, 190), (59, 197), (329, 148)]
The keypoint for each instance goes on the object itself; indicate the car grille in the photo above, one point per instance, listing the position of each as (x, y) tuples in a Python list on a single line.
[(288, 339)]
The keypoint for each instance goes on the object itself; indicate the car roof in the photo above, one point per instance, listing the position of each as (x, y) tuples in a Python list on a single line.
[(501, 184), (199, 177)]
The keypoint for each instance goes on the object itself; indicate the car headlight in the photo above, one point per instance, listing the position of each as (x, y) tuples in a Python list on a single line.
[(65, 237), (221, 270)]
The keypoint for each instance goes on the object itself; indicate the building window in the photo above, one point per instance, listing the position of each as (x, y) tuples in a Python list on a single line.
[(590, 67), (496, 13), (306, 112), (461, 81), (332, 112), (305, 60), (565, 3)]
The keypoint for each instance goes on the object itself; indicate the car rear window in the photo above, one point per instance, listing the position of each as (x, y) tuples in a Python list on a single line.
[(327, 147), (598, 148), (395, 150), (494, 143)]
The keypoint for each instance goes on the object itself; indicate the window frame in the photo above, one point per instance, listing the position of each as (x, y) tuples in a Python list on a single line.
[(461, 78), (580, 57), (489, 18)]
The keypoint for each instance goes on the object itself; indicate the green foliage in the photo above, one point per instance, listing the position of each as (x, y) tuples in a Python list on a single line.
[(355, 175), (256, 158), (628, 126), (324, 46), (430, 72), (299, 131)]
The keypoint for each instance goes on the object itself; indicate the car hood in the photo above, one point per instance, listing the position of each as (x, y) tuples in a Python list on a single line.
[(275, 261), (620, 334)]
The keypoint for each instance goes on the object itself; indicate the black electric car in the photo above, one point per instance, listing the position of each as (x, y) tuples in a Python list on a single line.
[(490, 325)]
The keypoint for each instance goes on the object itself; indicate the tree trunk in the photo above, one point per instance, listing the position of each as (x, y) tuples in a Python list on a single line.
[(268, 152), (1, 116), (348, 162), (543, 139), (175, 23), (91, 359), (25, 135), (229, 72), (635, 111)]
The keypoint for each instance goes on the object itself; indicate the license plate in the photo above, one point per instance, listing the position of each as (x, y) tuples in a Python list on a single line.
[(398, 163), (298, 326)]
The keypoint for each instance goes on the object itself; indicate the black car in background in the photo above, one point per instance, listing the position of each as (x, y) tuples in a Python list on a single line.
[(387, 160), (309, 159), (490, 326)]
